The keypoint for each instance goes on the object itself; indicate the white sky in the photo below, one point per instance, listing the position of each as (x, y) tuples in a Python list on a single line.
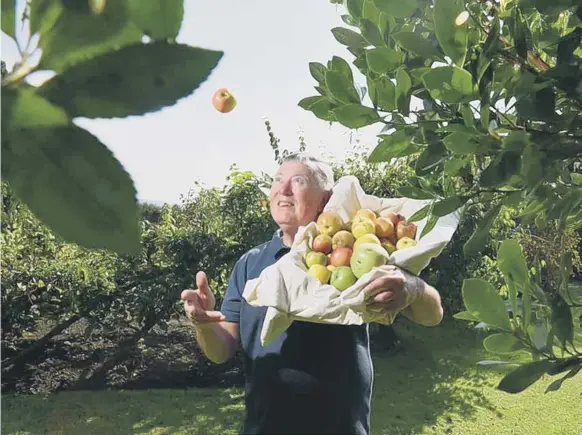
[(267, 47)]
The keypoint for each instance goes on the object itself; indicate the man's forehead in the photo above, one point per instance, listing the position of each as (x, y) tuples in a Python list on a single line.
[(293, 168)]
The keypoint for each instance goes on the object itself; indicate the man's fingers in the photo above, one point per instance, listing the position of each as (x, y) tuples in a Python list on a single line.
[(189, 295), (383, 297), (384, 283), (201, 317), (202, 283)]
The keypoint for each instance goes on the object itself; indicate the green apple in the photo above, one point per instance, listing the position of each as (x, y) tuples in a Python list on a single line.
[(342, 277), (366, 257), (367, 238), (405, 242), (314, 257)]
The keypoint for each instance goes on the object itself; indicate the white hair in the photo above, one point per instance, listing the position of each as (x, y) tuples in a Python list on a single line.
[(320, 170)]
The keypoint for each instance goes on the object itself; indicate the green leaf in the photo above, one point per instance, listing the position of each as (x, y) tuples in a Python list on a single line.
[(562, 320), (321, 107), (75, 185), (503, 343), (397, 8), (420, 214), (452, 36), (501, 169), (390, 147), (450, 84), (430, 224), (371, 32), (465, 315), (383, 93), (431, 157), (461, 143), (341, 87), (554, 386), (23, 108), (349, 37), (355, 8), (414, 192), (522, 377), (383, 60), (483, 302), (479, 237), (9, 17), (532, 165), (158, 20), (356, 115), (317, 71), (449, 205), (158, 75), (43, 15), (78, 34), (511, 262), (454, 165), (416, 44), (403, 86)]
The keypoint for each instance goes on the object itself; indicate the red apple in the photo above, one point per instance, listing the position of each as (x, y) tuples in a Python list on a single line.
[(223, 100), (394, 217), (322, 243), (340, 256), (405, 229)]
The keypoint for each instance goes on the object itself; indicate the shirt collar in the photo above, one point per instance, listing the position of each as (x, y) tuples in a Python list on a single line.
[(277, 248)]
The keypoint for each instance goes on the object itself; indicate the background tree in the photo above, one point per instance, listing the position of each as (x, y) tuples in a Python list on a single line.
[(484, 100)]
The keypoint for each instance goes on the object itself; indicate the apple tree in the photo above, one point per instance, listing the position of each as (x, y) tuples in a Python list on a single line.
[(110, 59), (484, 100)]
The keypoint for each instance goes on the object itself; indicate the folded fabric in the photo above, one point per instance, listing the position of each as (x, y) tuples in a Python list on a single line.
[(290, 293)]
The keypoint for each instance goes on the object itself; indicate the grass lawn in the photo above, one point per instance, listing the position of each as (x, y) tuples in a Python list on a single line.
[(431, 385)]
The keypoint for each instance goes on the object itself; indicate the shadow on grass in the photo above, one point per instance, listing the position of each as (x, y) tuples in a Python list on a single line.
[(195, 411), (430, 378)]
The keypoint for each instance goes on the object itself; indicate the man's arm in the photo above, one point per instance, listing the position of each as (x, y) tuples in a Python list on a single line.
[(426, 309), (218, 341)]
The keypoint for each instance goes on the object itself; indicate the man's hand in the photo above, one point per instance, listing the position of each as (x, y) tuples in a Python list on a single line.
[(392, 292), (199, 304)]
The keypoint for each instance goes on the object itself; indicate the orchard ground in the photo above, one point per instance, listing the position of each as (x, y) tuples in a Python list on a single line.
[(428, 384)]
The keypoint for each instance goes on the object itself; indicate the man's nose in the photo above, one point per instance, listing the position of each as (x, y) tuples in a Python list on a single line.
[(285, 188)]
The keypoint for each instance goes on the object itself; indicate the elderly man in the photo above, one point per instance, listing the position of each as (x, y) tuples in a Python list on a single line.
[(314, 378)]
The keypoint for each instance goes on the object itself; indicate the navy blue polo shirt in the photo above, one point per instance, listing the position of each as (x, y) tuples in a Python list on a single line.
[(313, 379)]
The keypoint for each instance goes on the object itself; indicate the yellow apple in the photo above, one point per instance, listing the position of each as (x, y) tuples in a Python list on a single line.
[(223, 100), (363, 226), (388, 245), (322, 273), (405, 242), (342, 238), (367, 213), (315, 258), (367, 238), (384, 227), (329, 223)]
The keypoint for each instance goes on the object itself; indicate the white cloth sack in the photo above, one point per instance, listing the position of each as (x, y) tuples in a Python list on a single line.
[(290, 293)]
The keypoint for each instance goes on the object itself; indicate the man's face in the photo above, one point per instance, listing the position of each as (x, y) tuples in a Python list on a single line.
[(296, 198)]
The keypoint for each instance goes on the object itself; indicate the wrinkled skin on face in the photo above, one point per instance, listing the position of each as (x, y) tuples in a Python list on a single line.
[(296, 199)]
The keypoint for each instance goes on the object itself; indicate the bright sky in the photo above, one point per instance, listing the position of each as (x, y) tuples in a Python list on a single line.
[(267, 47)]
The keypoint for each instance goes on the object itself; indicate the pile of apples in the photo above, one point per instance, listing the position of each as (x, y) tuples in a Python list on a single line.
[(343, 252)]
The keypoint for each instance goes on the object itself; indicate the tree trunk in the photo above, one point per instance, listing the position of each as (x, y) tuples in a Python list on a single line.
[(38, 347)]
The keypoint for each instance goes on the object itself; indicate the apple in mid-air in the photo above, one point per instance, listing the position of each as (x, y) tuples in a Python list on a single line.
[(223, 100), (366, 257), (342, 277)]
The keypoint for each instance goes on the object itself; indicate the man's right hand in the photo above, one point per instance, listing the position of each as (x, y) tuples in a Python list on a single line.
[(199, 304)]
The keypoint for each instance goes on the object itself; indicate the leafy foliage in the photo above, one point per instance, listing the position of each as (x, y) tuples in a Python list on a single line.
[(111, 59), (484, 102)]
